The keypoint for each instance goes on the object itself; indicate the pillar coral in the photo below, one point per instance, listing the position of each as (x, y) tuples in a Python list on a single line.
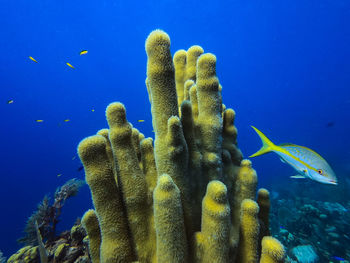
[(187, 196)]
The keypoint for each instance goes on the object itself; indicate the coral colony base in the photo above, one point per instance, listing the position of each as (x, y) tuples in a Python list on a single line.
[(147, 196)]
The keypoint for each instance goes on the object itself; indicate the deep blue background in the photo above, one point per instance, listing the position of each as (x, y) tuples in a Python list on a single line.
[(284, 67)]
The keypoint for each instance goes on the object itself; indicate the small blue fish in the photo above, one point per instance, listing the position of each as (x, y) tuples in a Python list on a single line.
[(305, 161), (338, 258)]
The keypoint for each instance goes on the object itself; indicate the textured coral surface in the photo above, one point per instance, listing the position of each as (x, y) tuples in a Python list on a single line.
[(186, 197)]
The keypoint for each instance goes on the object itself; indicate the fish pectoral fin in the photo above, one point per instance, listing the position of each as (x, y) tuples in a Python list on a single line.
[(298, 176), (283, 161)]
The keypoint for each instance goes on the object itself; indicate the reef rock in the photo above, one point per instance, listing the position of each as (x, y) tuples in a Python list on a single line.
[(304, 254)]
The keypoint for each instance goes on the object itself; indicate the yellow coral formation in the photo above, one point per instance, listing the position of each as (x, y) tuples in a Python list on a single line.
[(115, 244), (148, 166), (180, 72), (147, 199), (244, 183), (247, 181), (188, 85), (60, 252), (209, 118), (213, 241), (130, 177), (26, 254), (249, 232), (263, 201), (90, 223), (272, 251), (192, 55), (171, 241), (161, 83), (229, 135), (171, 152)]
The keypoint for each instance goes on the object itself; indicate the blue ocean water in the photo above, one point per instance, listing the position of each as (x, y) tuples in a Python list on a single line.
[(284, 67)]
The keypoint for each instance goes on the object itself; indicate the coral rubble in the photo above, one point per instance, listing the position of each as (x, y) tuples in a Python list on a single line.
[(68, 247), (148, 200), (311, 230), (47, 215)]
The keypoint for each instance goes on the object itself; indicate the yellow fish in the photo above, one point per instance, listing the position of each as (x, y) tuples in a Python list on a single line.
[(93, 110), (59, 175), (83, 52), (33, 59), (69, 65), (305, 161), (39, 120), (140, 120), (66, 120), (9, 101)]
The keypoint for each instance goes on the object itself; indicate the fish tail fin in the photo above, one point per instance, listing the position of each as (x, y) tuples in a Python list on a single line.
[(267, 146)]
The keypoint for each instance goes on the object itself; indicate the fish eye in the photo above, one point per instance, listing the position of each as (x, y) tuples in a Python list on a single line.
[(320, 171)]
